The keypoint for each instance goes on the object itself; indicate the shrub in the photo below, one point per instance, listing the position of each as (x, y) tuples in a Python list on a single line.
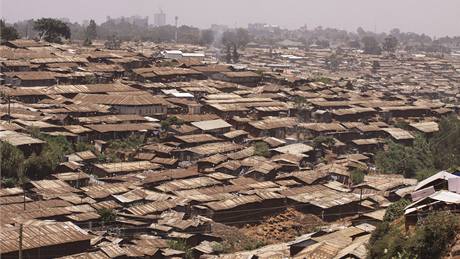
[(253, 244), (395, 210), (261, 149), (431, 238), (83, 146), (37, 167), (11, 162), (181, 245), (386, 242), (9, 182), (433, 235), (357, 176), (107, 215), (173, 120), (328, 141)]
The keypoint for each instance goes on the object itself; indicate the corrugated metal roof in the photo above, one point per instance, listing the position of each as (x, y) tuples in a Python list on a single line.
[(234, 202), (48, 234), (185, 184), (211, 124), (18, 139)]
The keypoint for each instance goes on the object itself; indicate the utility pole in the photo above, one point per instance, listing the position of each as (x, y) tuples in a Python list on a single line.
[(20, 240), (175, 34), (9, 108), (24, 198), (1, 165)]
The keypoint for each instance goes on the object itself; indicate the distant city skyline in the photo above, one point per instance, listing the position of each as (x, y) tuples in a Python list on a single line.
[(434, 18)]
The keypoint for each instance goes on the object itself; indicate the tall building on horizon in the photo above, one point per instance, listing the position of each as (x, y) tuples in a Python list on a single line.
[(159, 19)]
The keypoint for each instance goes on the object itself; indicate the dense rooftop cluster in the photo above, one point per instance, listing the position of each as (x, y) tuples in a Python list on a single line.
[(169, 154)]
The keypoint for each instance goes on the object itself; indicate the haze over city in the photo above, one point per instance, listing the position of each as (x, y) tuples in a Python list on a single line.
[(435, 18), (209, 129)]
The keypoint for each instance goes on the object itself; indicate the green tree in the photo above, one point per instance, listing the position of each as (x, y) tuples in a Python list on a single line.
[(395, 210), (400, 159), (228, 54), (423, 153), (91, 30), (8, 182), (390, 43), (261, 149), (327, 141), (301, 104), (333, 62), (234, 39), (375, 65), (445, 144), (431, 238), (83, 146), (37, 167), (206, 37), (7, 33), (371, 46), (113, 43), (87, 42), (173, 120), (52, 30), (235, 55), (11, 158), (181, 245), (433, 235), (242, 37), (355, 44), (357, 176), (56, 149), (324, 44), (386, 242), (107, 215)]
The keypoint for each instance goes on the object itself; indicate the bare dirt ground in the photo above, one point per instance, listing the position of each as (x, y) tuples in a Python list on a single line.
[(282, 227)]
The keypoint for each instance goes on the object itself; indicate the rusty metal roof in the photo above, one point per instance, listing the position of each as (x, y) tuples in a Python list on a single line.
[(41, 235), (232, 203), (18, 139)]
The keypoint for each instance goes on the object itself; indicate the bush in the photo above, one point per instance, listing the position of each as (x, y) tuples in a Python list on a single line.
[(386, 242), (181, 245), (261, 149), (83, 146), (431, 238), (328, 141), (357, 176), (253, 244), (132, 142), (425, 157), (400, 159), (445, 144), (173, 120), (324, 80), (37, 167), (434, 234), (12, 159), (395, 210), (56, 148), (107, 215), (9, 182)]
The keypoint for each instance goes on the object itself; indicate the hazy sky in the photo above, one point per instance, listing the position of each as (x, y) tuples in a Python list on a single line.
[(433, 17)]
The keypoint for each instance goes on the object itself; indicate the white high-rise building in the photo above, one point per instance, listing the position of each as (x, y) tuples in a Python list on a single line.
[(159, 19)]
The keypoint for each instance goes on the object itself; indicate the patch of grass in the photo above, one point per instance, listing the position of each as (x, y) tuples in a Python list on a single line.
[(181, 245)]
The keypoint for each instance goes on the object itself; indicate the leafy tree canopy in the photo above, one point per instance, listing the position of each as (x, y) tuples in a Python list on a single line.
[(390, 43), (7, 33), (52, 30), (12, 159)]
